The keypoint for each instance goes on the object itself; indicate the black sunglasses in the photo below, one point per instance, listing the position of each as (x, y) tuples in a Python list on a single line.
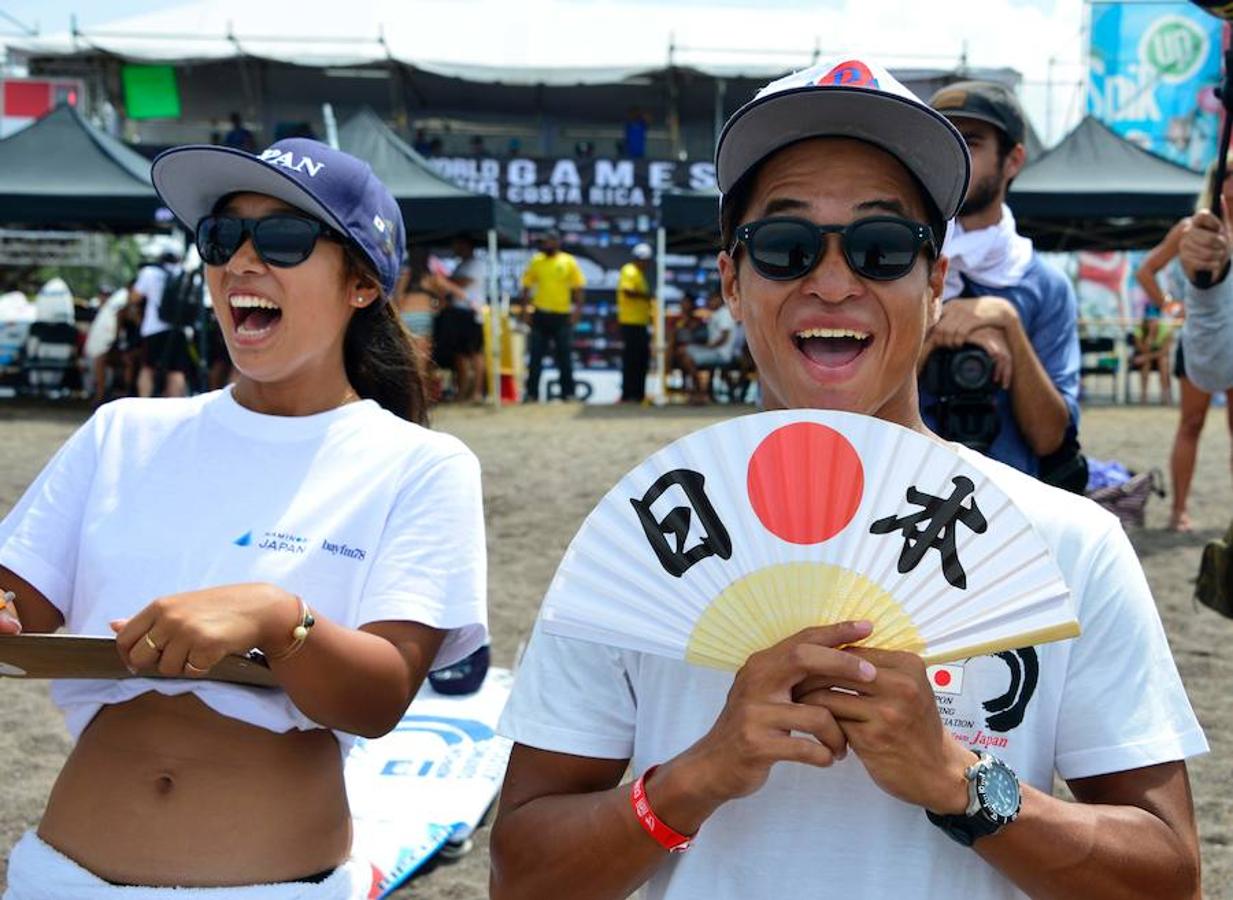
[(280, 240), (881, 248)]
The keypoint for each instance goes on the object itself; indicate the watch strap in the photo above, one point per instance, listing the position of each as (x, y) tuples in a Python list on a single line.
[(671, 840), (964, 829), (977, 821)]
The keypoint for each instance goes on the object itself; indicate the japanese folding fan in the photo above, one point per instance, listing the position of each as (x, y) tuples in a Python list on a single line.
[(739, 535)]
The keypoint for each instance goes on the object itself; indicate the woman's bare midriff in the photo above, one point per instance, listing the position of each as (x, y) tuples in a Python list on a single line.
[(165, 791)]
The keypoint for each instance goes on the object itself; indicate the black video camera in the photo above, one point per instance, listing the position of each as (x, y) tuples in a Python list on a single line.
[(961, 381)]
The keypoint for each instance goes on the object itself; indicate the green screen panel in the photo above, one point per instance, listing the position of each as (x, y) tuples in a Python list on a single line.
[(150, 92)]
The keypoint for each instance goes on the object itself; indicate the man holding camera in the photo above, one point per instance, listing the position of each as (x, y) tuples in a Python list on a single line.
[(1021, 404)]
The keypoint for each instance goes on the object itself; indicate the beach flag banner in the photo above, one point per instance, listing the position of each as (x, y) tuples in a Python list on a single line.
[(429, 782), (741, 534)]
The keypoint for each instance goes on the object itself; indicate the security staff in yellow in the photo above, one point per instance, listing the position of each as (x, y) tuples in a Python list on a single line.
[(554, 284), (634, 307)]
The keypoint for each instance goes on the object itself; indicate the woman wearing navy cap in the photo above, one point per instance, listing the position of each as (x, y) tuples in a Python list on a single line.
[(305, 511)]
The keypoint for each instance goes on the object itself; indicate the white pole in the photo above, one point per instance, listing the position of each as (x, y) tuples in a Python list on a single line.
[(331, 125), (495, 323), (661, 346)]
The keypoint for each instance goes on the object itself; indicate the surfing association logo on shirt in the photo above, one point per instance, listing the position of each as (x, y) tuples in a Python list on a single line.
[(976, 720)]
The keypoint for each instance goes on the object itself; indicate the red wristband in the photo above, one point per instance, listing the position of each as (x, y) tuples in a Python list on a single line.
[(670, 840)]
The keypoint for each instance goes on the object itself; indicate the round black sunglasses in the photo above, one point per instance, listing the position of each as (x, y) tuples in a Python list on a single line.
[(881, 248), (280, 240)]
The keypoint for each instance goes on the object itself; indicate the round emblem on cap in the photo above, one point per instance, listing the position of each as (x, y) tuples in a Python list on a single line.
[(852, 73)]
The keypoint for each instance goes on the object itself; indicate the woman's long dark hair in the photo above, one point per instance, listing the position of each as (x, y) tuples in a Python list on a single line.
[(381, 360)]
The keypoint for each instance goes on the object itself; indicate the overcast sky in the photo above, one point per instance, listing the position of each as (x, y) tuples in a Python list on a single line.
[(1021, 34)]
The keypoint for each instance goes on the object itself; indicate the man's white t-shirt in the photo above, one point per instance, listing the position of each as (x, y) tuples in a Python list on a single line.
[(721, 321), (1108, 701), (364, 515), (150, 284)]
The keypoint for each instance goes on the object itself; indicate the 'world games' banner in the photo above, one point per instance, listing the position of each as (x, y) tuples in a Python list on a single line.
[(597, 183), (1154, 70)]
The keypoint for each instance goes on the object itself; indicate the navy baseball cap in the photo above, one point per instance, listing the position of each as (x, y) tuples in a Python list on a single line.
[(313, 177)]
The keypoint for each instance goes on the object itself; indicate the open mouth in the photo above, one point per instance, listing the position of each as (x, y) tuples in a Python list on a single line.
[(832, 348), (252, 315)]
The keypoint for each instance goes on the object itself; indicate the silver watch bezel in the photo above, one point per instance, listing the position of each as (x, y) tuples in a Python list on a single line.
[(977, 775)]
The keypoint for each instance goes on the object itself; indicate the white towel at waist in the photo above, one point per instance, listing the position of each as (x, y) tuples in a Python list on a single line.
[(37, 871)]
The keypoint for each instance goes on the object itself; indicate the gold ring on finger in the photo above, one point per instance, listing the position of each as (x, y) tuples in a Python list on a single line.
[(150, 643), (194, 670)]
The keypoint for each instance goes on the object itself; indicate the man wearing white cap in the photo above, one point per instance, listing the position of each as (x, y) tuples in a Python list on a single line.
[(837, 184), (634, 305)]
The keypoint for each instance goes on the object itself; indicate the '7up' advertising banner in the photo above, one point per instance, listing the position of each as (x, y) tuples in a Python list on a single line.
[(1154, 70)]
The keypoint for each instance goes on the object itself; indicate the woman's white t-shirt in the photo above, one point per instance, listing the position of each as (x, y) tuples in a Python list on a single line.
[(363, 514)]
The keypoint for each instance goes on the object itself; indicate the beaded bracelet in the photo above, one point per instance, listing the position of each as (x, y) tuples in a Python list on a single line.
[(299, 634)]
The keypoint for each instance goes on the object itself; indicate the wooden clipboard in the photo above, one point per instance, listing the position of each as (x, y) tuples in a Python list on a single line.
[(75, 656)]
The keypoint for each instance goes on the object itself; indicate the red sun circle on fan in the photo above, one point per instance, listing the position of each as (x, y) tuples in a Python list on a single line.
[(941, 678), (805, 482)]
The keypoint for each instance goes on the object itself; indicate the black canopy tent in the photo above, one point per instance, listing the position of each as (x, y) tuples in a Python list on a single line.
[(432, 207), (1098, 191), (61, 171)]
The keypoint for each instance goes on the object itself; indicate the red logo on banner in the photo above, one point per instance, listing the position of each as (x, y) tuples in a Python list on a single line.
[(852, 73)]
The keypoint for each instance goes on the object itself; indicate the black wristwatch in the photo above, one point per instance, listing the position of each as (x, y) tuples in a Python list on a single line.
[(993, 802)]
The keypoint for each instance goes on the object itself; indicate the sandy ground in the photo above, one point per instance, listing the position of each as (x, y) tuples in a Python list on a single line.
[(544, 468)]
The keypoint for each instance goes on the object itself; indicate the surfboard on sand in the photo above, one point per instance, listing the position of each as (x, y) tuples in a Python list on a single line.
[(429, 782)]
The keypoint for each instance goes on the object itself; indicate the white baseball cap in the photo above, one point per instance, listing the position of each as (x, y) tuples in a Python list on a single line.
[(643, 251), (851, 98)]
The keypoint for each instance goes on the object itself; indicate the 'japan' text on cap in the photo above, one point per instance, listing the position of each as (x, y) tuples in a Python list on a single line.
[(313, 177)]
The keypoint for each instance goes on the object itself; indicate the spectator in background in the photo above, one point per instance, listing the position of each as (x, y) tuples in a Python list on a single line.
[(690, 328), (435, 147), (460, 325), (477, 147), (1163, 258), (1153, 351), (1208, 329), (164, 346), (239, 137), (101, 339), (718, 351), (418, 299), (422, 145), (1001, 296), (554, 284), (634, 141), (128, 346), (1204, 363), (634, 305)]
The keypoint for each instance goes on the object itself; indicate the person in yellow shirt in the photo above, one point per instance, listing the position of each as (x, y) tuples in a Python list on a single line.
[(634, 305), (554, 284)]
